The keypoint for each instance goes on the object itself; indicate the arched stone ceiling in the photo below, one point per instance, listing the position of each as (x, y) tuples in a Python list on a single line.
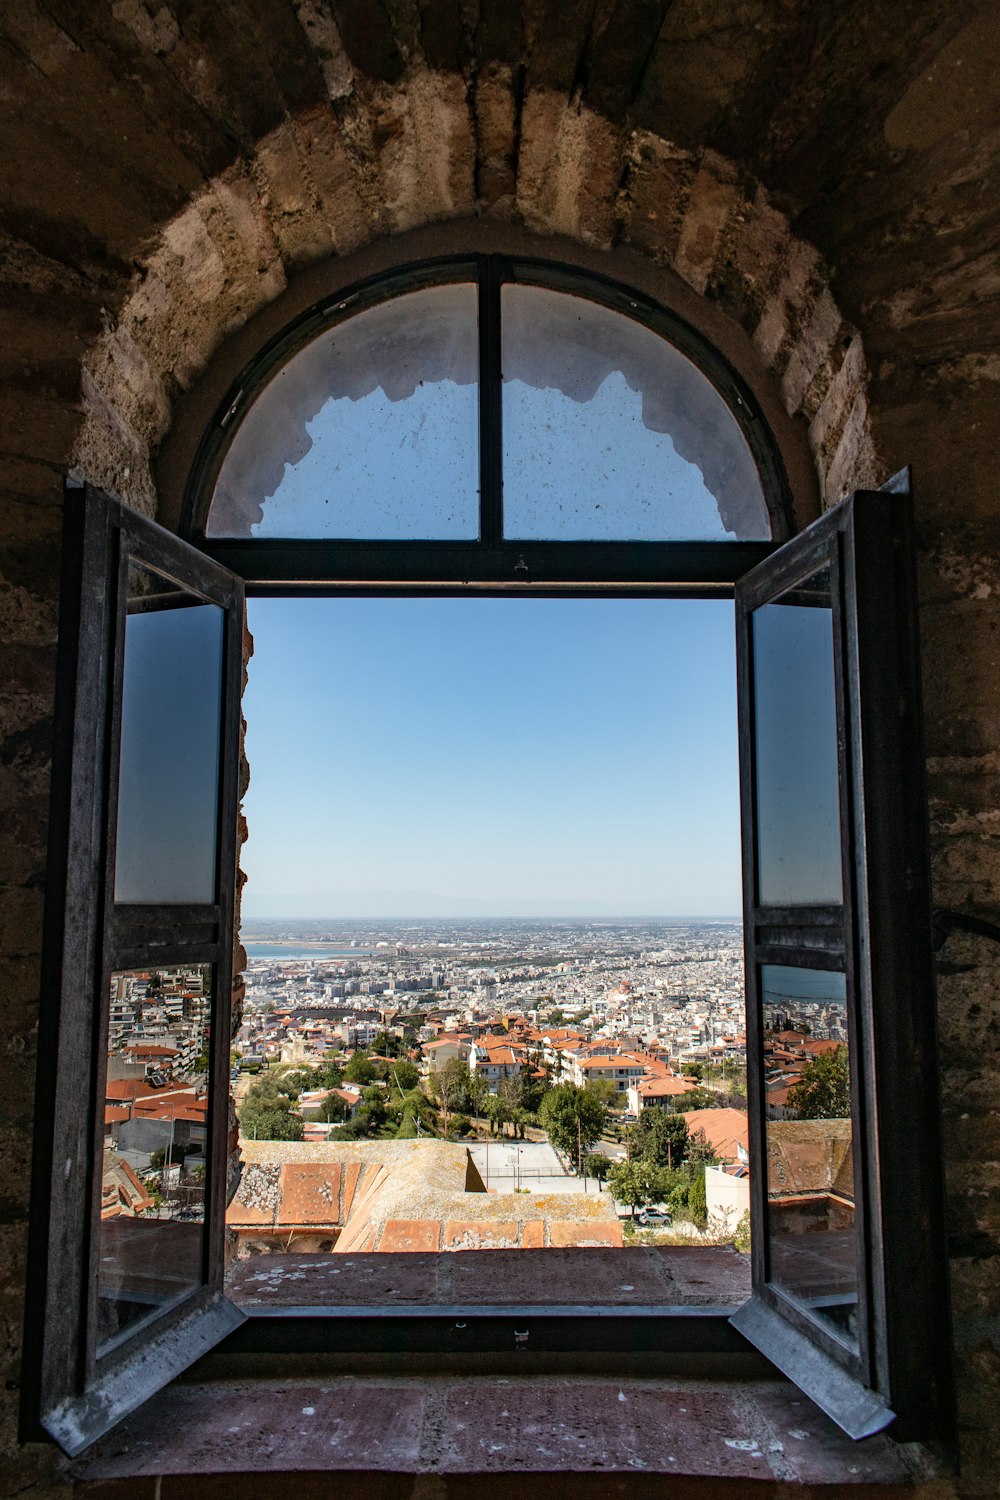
[(305, 194), (169, 166)]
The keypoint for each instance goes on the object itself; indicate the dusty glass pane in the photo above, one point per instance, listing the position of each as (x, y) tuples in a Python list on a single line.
[(168, 782), (611, 434), (811, 1241), (153, 1153), (370, 431), (798, 802)]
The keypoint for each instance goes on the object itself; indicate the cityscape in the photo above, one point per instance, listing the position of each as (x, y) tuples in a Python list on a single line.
[(583, 1080)]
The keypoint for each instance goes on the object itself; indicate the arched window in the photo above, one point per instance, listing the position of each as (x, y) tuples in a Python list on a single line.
[(487, 421), (483, 425)]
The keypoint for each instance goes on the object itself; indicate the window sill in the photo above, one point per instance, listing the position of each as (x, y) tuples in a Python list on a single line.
[(460, 1423), (579, 1435)]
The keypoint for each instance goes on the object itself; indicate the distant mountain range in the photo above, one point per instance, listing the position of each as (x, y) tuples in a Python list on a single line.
[(404, 905)]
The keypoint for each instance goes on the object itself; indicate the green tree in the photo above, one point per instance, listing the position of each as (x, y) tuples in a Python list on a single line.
[(373, 1101), (268, 1110), (405, 1075), (453, 1085), (360, 1069), (635, 1183), (604, 1089), (573, 1118), (497, 1111), (329, 1074), (274, 1125), (598, 1165), (699, 1098), (700, 1152), (823, 1091), (697, 1201), (660, 1136), (517, 1096)]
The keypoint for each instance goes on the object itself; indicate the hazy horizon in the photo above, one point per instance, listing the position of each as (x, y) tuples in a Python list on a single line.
[(384, 906)]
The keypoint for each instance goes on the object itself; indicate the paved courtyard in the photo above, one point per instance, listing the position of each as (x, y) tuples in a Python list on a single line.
[(506, 1165)]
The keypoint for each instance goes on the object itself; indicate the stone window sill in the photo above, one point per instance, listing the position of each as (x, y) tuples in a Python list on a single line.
[(437, 1426), (440, 1436)]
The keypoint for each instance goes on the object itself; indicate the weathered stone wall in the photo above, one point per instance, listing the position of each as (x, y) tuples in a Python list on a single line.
[(813, 173), (232, 250)]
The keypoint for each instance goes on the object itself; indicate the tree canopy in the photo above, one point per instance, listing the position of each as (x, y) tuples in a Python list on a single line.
[(455, 1085), (267, 1112), (636, 1183), (360, 1069), (574, 1118), (661, 1137), (404, 1075), (823, 1091)]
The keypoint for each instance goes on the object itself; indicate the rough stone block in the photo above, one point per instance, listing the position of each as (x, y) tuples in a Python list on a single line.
[(709, 208), (332, 175), (496, 123), (299, 226), (589, 1235), (310, 1193), (570, 165), (490, 1234), (659, 182), (812, 350), (410, 1234)]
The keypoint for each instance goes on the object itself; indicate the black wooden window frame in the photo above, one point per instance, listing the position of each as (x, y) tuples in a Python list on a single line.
[(880, 938), (72, 1384), (489, 566)]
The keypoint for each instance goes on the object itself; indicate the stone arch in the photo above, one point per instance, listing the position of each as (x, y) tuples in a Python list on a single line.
[(322, 186)]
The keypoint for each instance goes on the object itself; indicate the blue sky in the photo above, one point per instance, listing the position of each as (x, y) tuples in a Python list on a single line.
[(447, 757)]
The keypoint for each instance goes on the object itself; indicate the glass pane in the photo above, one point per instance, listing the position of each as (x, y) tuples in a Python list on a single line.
[(798, 800), (154, 1151), (168, 782), (611, 434), (812, 1246), (372, 430)]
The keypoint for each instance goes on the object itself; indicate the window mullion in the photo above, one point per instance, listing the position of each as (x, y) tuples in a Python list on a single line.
[(490, 403)]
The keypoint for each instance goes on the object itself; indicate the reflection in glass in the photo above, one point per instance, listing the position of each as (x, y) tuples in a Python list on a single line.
[(798, 800), (372, 430), (154, 1150), (168, 782), (812, 1247), (611, 434)]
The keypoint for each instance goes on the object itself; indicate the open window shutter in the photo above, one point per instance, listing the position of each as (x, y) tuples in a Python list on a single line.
[(127, 1262), (848, 1266)]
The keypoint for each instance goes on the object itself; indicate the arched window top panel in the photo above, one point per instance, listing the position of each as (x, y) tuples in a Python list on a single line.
[(371, 430), (610, 433), (492, 404)]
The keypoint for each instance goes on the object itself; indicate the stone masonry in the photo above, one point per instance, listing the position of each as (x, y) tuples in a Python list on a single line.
[(815, 185)]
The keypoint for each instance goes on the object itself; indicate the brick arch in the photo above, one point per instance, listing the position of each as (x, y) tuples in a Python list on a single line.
[(313, 189)]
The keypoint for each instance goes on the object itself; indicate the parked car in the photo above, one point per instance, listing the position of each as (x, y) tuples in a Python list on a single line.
[(653, 1217)]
